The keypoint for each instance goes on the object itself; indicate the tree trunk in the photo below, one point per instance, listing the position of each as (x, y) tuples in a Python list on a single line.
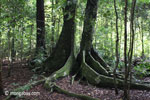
[(22, 41), (131, 43), (40, 20), (142, 40), (31, 38), (9, 51), (112, 41), (58, 24), (13, 45), (89, 23), (1, 85), (92, 58), (117, 44), (53, 27), (88, 61), (65, 44), (125, 52)]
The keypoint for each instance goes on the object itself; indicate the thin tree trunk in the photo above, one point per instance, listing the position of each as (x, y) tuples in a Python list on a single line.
[(9, 52), (117, 44), (31, 39), (134, 50), (22, 42), (13, 45), (1, 58), (112, 41), (142, 40), (125, 52), (1, 83), (120, 38), (58, 25), (53, 27), (131, 44)]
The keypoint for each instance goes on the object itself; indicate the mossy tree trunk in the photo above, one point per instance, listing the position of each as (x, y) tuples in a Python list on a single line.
[(89, 24), (88, 29), (92, 58), (88, 60), (65, 44)]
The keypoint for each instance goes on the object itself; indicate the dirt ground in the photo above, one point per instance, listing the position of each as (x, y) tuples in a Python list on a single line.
[(21, 75)]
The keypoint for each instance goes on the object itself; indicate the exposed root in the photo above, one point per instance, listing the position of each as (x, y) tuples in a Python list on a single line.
[(64, 71), (101, 80), (79, 96), (95, 65), (99, 59), (25, 87), (107, 81)]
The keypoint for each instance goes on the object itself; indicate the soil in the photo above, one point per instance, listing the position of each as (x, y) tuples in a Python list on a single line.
[(21, 75)]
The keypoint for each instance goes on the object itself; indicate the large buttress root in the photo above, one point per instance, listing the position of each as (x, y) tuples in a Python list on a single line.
[(95, 65), (99, 59), (62, 72), (102, 80)]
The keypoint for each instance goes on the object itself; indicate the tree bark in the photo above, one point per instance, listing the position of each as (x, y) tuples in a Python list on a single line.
[(117, 44), (30, 42), (131, 42), (65, 44), (1, 85), (22, 33), (40, 21), (13, 45), (92, 58), (9, 51), (53, 26), (142, 39), (89, 23), (125, 52)]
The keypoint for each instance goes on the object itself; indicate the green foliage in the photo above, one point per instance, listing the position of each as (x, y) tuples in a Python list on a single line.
[(38, 61), (14, 84), (17, 20), (141, 70)]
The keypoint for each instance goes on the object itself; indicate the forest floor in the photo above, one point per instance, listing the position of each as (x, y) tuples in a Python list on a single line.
[(21, 75)]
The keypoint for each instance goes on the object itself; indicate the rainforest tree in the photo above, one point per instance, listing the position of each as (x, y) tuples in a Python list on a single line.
[(88, 60), (40, 21), (89, 39), (65, 44)]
